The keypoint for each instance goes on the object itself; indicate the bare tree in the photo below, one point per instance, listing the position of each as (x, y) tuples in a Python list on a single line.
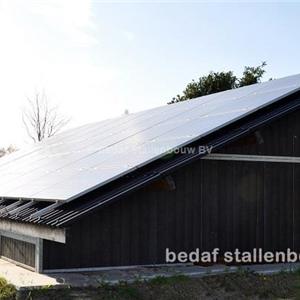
[(40, 119), (8, 150)]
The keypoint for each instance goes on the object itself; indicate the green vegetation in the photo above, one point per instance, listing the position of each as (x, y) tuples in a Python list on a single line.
[(7, 291), (216, 82), (239, 285), (296, 285), (161, 280)]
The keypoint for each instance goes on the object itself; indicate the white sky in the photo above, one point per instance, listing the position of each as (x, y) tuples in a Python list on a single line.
[(45, 45), (95, 59)]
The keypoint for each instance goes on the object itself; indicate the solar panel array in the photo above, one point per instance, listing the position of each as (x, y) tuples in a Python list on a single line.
[(79, 160)]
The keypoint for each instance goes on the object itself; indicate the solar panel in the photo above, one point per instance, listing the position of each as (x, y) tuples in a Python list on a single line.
[(81, 159)]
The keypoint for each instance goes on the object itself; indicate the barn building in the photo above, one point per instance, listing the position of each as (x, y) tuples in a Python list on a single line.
[(217, 171)]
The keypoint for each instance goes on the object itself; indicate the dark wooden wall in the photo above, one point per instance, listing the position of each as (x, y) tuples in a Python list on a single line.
[(220, 204), (18, 251), (280, 138)]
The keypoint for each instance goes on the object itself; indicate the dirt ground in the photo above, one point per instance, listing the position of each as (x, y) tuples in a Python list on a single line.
[(240, 285)]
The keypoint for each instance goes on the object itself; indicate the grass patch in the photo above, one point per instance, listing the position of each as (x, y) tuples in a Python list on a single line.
[(7, 291), (296, 286), (127, 291), (163, 280), (239, 285)]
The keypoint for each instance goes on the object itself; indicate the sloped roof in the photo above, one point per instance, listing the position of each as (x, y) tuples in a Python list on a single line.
[(79, 160)]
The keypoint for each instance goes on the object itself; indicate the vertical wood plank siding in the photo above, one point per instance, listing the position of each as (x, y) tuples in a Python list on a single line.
[(281, 137), (19, 251), (220, 204)]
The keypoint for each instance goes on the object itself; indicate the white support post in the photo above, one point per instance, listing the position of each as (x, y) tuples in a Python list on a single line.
[(39, 255)]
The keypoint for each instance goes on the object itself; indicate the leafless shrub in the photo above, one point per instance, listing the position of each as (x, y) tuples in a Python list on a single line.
[(40, 119), (8, 150)]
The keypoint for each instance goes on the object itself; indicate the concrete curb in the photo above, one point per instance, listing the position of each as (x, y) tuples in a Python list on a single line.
[(114, 277)]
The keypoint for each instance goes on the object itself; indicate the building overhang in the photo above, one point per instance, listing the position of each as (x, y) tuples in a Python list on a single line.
[(35, 231)]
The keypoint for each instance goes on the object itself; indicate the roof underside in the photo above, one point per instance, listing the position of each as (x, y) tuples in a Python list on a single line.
[(80, 160)]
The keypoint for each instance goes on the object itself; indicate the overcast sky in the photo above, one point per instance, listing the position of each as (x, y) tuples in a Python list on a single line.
[(95, 59)]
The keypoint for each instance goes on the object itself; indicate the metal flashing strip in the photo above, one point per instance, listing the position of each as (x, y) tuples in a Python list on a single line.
[(255, 158)]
